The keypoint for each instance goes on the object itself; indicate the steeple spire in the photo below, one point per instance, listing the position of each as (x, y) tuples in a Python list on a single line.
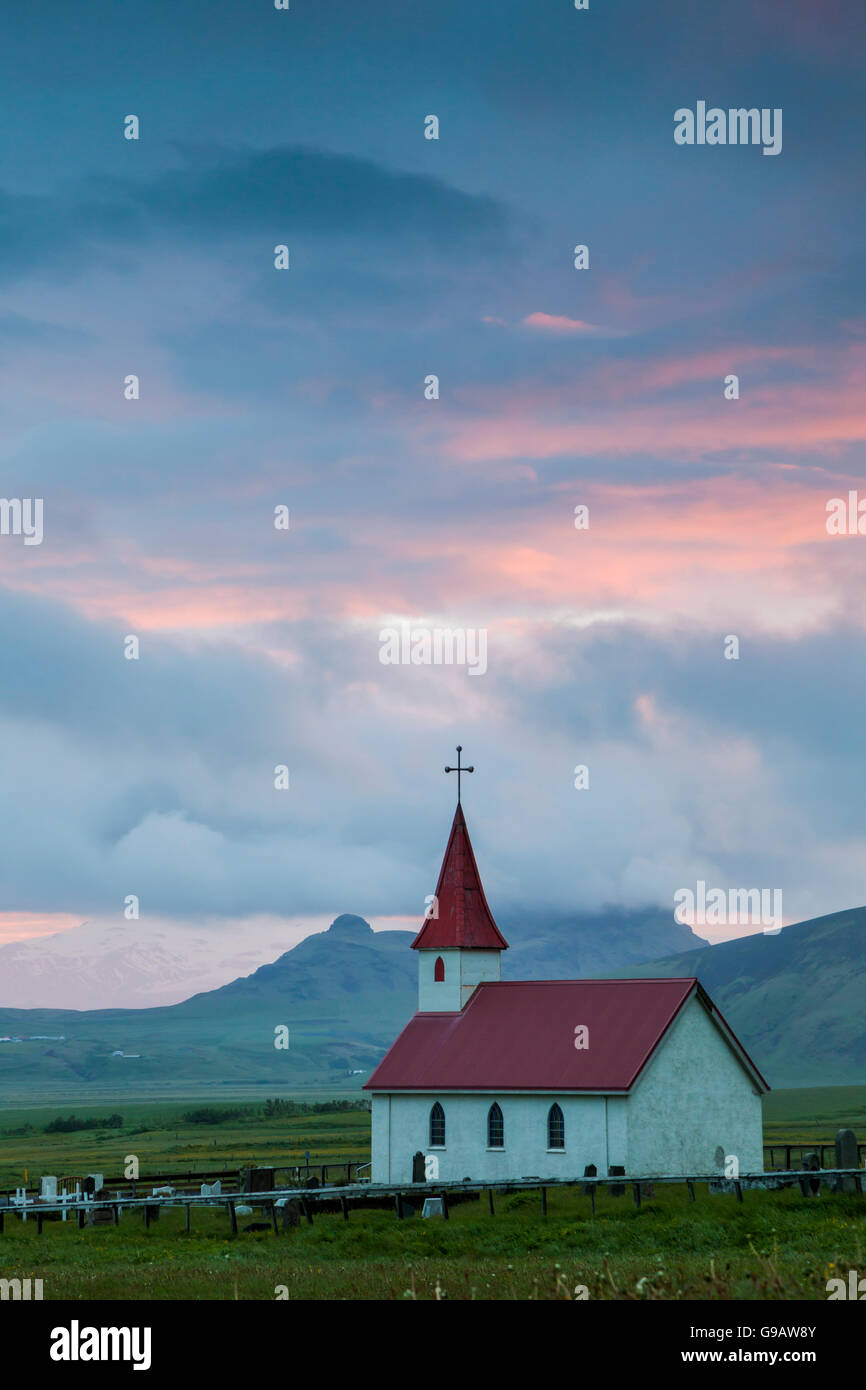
[(464, 919)]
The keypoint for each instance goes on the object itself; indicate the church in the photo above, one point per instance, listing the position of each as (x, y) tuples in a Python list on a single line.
[(498, 1079)]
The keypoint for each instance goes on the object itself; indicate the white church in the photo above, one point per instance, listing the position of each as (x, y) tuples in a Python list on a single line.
[(511, 1079)]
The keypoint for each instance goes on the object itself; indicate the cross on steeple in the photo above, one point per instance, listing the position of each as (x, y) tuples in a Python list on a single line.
[(459, 769)]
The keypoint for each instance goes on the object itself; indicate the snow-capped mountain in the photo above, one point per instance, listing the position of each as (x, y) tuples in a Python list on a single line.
[(115, 964)]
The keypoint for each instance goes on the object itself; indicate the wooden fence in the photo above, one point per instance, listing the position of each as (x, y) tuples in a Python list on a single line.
[(792, 1151), (406, 1196)]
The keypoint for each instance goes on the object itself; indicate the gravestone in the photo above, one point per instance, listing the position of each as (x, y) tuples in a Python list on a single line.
[(811, 1187), (290, 1211), (257, 1180), (846, 1157), (100, 1216), (211, 1189), (433, 1206), (48, 1189), (419, 1172), (590, 1171), (720, 1184), (616, 1170)]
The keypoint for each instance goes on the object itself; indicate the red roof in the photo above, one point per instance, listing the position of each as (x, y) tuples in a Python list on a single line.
[(520, 1035), (464, 917)]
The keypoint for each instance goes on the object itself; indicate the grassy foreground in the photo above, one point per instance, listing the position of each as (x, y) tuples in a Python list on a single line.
[(776, 1245), (773, 1246)]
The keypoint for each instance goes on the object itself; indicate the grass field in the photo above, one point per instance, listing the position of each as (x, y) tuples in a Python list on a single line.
[(814, 1113), (773, 1246), (158, 1137)]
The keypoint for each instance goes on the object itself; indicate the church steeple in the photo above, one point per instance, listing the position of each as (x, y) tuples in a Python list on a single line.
[(459, 945), (463, 919)]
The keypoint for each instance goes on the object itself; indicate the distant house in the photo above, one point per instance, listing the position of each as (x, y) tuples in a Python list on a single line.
[(507, 1079)]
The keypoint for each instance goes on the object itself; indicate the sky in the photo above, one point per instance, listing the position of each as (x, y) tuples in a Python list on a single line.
[(607, 646)]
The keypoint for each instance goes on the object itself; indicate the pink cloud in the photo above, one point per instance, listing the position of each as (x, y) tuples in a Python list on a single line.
[(21, 926), (558, 323)]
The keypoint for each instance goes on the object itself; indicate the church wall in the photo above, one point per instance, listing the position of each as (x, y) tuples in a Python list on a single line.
[(463, 971), (476, 966), (617, 1131), (380, 1143), (438, 996), (466, 1153), (693, 1098)]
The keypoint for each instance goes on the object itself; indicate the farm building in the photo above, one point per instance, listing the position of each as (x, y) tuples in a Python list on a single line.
[(504, 1079)]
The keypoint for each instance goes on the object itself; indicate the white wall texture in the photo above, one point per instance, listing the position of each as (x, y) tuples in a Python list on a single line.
[(693, 1097), (591, 1125), (463, 971)]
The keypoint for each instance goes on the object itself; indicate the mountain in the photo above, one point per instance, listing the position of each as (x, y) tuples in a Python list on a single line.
[(563, 946), (343, 994), (136, 964), (796, 1001)]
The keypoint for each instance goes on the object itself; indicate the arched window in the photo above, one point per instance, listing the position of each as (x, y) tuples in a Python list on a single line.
[(555, 1128), (439, 969), (437, 1127), (495, 1128)]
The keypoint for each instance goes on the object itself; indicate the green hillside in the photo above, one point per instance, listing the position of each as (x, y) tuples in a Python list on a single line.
[(797, 1001)]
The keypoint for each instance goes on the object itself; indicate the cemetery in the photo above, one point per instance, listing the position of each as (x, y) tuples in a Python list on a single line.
[(253, 1191)]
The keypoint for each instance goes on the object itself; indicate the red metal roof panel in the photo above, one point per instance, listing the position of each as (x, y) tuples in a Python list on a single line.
[(520, 1035)]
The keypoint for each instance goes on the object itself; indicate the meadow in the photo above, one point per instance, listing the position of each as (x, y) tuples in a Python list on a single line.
[(162, 1142), (775, 1245)]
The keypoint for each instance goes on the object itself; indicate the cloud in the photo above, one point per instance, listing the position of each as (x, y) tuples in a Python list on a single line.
[(269, 195), (156, 777), (558, 323)]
